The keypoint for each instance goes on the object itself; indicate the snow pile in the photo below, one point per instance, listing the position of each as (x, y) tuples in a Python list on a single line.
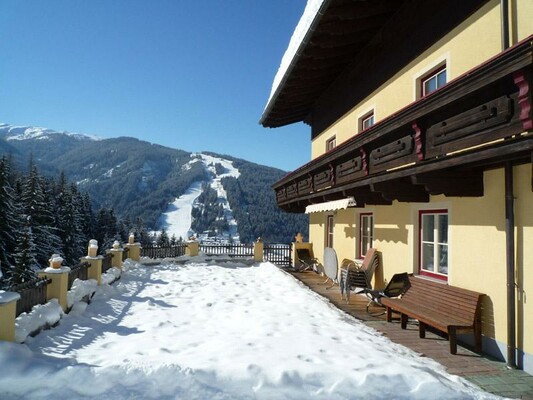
[(8, 297), (217, 331), (41, 316), (80, 290), (177, 219), (110, 276)]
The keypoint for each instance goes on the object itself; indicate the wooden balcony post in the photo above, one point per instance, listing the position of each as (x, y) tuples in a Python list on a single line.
[(58, 288), (8, 312)]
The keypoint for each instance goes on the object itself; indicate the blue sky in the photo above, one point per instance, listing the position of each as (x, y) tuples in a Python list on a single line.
[(193, 75)]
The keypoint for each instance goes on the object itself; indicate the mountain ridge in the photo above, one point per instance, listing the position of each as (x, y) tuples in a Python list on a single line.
[(139, 179)]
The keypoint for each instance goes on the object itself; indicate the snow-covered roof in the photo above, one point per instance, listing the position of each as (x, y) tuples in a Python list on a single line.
[(297, 41), (328, 38)]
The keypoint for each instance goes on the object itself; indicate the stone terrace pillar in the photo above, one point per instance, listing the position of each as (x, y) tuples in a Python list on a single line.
[(95, 269), (117, 255), (8, 311), (59, 276), (134, 248), (193, 248), (258, 250)]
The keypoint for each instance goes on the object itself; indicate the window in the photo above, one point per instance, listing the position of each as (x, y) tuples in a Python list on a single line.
[(331, 143), (329, 230), (433, 243), (366, 233), (366, 121), (432, 81)]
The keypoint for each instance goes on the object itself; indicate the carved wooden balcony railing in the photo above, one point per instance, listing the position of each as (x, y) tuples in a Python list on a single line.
[(438, 145)]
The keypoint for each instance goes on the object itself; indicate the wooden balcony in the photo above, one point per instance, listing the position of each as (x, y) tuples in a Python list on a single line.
[(440, 144)]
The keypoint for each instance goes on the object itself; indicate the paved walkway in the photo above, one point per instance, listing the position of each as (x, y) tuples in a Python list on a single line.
[(489, 374)]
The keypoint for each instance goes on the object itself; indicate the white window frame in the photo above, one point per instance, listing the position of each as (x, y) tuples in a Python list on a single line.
[(366, 220), (331, 143), (330, 230), (426, 71), (441, 249), (433, 75), (364, 118)]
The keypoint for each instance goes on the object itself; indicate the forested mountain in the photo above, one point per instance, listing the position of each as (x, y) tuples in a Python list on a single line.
[(138, 180), (41, 216), (254, 205)]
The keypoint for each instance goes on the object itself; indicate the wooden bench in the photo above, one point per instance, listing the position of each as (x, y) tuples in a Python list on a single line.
[(447, 308)]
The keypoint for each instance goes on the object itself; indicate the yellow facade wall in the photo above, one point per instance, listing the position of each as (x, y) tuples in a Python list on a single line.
[(317, 232), (477, 259), (473, 42), (521, 24), (524, 255)]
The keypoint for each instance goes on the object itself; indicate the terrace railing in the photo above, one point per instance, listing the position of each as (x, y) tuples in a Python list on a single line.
[(31, 293), (278, 254), (232, 250), (164, 251), (125, 253), (107, 262), (78, 271)]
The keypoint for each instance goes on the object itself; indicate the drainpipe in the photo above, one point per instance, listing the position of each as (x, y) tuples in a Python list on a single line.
[(509, 240), (505, 24), (509, 224)]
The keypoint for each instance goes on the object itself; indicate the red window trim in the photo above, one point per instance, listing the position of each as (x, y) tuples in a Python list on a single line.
[(361, 215), (420, 271)]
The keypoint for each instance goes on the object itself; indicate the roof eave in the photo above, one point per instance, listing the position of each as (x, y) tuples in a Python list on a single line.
[(316, 21)]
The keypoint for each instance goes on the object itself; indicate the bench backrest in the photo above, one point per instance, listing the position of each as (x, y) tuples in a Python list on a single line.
[(463, 304)]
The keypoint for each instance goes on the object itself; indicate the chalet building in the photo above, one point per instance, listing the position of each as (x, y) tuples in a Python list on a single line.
[(421, 146)]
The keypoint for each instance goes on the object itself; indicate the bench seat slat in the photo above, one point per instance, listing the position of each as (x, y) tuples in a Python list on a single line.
[(428, 314), (444, 307)]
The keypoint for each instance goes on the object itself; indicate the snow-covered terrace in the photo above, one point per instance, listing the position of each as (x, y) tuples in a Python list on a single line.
[(219, 329)]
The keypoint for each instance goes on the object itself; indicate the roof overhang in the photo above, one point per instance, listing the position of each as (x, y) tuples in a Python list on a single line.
[(351, 35)]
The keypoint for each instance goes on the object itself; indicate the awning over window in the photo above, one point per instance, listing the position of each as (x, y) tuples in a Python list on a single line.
[(341, 204)]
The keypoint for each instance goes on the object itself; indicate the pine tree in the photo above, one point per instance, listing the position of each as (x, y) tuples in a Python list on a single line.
[(69, 221), (163, 240), (141, 234), (87, 217), (25, 262), (106, 228), (9, 221), (173, 240), (38, 205)]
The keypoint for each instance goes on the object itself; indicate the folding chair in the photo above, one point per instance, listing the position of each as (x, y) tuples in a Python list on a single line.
[(354, 276), (397, 286), (306, 260)]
